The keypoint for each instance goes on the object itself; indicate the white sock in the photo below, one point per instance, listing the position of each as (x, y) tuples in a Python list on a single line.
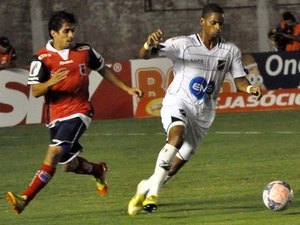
[(166, 179), (144, 186), (162, 167)]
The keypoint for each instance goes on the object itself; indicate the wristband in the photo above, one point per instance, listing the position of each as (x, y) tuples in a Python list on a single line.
[(147, 47), (248, 90)]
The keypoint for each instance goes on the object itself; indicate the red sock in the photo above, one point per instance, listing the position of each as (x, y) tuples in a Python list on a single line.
[(40, 179)]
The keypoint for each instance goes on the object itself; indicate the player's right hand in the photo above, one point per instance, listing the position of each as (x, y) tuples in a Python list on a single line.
[(58, 76), (155, 38)]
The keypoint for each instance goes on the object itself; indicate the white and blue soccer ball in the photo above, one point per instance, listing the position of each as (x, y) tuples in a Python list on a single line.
[(278, 195)]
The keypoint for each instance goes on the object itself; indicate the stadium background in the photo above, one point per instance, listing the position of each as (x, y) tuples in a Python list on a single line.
[(110, 27), (118, 28), (224, 181)]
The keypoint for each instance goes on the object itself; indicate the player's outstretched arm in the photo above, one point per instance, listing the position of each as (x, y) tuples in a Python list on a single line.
[(242, 84), (108, 74), (152, 41)]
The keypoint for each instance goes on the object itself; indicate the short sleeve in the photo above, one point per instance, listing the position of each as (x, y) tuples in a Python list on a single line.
[(169, 48), (96, 61), (38, 72), (237, 68)]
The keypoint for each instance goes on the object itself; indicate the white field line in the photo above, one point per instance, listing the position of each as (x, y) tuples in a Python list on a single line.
[(215, 132), (237, 132), (255, 132), (286, 132), (161, 133)]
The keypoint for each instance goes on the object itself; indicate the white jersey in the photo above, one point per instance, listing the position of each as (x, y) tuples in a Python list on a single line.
[(198, 71), (198, 77)]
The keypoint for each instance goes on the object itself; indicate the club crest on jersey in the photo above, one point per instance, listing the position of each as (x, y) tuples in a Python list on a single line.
[(221, 64), (198, 86)]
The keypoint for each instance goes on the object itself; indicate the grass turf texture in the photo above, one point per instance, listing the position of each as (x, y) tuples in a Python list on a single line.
[(221, 185)]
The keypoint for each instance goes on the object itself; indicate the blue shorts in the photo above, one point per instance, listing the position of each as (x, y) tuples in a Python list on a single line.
[(66, 134)]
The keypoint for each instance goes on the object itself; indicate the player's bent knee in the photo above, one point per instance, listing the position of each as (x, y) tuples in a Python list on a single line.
[(65, 168), (177, 123), (176, 132), (70, 166)]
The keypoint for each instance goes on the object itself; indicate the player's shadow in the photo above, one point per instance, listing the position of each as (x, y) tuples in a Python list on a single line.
[(295, 203), (202, 206), (233, 204)]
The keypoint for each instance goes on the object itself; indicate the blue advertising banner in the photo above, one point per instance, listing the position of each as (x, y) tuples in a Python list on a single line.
[(273, 69)]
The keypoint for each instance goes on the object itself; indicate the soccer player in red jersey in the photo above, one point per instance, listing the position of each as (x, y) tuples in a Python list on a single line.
[(60, 73)]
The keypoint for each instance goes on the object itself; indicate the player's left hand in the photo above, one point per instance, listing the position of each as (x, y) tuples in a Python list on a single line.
[(135, 92), (256, 90)]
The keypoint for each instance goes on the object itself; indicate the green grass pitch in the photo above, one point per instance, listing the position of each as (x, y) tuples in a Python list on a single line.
[(221, 185)]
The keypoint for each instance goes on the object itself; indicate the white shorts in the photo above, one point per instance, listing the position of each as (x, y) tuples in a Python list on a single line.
[(195, 130)]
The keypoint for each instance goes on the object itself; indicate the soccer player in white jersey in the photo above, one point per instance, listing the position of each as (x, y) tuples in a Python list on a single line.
[(200, 64)]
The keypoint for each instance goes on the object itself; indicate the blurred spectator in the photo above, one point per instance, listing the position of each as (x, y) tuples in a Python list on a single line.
[(286, 34), (7, 54)]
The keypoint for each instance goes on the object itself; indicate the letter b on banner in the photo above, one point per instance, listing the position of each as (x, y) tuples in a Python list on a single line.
[(151, 81)]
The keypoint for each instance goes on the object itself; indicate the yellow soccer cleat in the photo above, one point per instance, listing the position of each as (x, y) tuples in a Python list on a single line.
[(150, 203), (18, 202), (136, 204), (101, 182)]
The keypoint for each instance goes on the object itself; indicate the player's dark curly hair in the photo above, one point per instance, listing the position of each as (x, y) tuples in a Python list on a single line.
[(211, 8), (58, 18)]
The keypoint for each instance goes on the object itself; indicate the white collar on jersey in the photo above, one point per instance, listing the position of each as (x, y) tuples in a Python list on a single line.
[(63, 53), (202, 43)]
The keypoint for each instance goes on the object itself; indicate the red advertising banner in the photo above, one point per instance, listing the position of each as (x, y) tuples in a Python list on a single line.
[(18, 106), (278, 75), (110, 102), (282, 99)]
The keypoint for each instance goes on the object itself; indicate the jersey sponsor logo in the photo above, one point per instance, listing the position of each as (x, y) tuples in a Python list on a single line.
[(198, 87), (210, 87), (44, 55), (65, 62), (199, 61)]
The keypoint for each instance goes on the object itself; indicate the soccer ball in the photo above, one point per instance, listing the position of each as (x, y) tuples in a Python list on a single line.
[(278, 195)]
